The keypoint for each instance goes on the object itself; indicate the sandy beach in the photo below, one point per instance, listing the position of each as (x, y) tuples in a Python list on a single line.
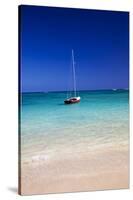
[(83, 172)]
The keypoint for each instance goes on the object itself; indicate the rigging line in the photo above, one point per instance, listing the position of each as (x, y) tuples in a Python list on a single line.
[(74, 77)]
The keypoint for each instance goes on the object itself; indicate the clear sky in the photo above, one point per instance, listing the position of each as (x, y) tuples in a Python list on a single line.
[(100, 40)]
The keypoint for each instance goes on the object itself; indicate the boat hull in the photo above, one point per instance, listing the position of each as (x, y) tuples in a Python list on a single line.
[(72, 100)]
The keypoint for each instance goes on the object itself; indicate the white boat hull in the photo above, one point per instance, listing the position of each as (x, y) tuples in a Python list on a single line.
[(72, 100)]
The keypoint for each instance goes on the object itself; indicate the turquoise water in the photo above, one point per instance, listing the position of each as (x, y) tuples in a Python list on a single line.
[(49, 127)]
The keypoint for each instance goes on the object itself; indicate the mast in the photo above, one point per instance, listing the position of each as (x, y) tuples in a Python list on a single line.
[(74, 78)]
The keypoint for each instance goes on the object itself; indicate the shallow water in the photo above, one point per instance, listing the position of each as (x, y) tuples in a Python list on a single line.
[(49, 128)]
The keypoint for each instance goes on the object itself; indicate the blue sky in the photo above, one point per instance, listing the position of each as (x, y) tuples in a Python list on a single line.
[(100, 40)]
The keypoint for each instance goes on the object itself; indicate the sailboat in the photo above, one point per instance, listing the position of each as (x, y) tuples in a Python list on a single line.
[(75, 98)]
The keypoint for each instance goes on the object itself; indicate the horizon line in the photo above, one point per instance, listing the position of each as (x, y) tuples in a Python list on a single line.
[(114, 89)]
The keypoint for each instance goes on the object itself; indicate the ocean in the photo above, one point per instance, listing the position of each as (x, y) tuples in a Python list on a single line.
[(50, 128)]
